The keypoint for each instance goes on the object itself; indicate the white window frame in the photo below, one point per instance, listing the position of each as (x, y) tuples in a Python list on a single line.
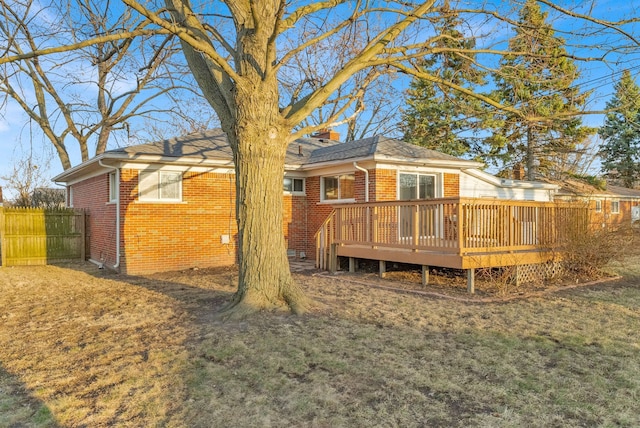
[(340, 198), (158, 197), (292, 190), (113, 187), (436, 182), (615, 203), (598, 205)]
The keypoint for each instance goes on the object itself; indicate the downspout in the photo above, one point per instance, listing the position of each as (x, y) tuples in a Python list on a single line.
[(366, 180), (366, 199), (117, 171)]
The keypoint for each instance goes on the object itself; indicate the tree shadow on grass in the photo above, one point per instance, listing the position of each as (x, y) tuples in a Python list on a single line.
[(378, 358), (18, 407), (202, 292)]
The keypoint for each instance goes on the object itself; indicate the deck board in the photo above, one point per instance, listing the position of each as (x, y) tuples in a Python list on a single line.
[(441, 259)]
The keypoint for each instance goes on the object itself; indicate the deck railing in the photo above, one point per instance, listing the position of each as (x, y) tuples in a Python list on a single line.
[(460, 226)]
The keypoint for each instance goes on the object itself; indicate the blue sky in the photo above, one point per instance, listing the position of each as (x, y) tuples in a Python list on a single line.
[(17, 137)]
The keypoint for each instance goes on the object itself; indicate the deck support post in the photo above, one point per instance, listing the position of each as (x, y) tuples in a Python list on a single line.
[(471, 281), (333, 258), (425, 275), (383, 268), (352, 264)]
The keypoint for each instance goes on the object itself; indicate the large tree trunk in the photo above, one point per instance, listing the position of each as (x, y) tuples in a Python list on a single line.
[(259, 137), (247, 103), (265, 279), (260, 142), (531, 155)]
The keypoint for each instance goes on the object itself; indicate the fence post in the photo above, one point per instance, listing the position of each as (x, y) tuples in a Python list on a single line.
[(83, 235), (3, 248)]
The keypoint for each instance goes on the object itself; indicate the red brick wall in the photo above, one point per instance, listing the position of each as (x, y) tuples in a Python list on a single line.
[(607, 218), (93, 195), (383, 185), (295, 223), (451, 185), (172, 236), (317, 213)]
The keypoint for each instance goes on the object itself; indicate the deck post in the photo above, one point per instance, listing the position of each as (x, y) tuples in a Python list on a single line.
[(471, 280), (352, 264), (425, 275), (461, 224), (415, 217), (374, 237), (383, 268), (333, 258)]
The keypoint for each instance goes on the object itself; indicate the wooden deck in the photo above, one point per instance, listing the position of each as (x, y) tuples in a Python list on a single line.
[(460, 233)]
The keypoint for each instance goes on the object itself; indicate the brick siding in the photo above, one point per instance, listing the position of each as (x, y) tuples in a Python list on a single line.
[(93, 195), (173, 236), (451, 185)]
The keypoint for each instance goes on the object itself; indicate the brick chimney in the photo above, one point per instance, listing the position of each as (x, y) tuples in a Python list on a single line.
[(327, 134), (518, 172)]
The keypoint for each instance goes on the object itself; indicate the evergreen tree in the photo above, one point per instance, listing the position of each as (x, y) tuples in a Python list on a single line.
[(538, 80), (620, 150), (437, 116)]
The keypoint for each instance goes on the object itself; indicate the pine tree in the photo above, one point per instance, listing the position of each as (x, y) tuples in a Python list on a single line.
[(438, 117), (538, 80), (620, 150)]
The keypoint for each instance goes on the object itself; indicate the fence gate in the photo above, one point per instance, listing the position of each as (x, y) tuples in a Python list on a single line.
[(36, 236)]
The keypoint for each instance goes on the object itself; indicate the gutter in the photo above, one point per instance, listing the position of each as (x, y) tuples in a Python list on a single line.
[(117, 171), (366, 180)]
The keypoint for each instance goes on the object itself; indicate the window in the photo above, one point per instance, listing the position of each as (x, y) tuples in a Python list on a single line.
[(417, 186), (338, 187), (293, 185), (598, 205), (113, 187), (615, 207), (160, 186)]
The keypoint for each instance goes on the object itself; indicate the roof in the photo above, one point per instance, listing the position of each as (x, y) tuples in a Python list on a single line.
[(211, 144), (576, 187), (378, 147), (624, 191), (211, 147)]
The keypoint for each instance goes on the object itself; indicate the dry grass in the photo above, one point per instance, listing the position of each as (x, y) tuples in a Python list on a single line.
[(82, 348)]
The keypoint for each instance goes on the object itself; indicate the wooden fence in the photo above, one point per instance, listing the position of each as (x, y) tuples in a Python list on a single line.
[(35, 236)]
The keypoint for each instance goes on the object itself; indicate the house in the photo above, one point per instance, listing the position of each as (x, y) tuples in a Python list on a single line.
[(170, 205), (610, 206)]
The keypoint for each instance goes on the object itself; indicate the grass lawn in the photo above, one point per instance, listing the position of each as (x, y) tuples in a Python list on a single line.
[(81, 347)]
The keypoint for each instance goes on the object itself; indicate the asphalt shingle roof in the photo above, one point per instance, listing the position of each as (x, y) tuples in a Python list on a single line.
[(212, 144)]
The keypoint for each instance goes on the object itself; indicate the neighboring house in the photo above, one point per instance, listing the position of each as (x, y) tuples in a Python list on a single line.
[(170, 205), (612, 206)]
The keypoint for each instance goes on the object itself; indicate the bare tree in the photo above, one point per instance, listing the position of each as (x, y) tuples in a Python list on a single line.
[(28, 174), (81, 97), (233, 49), (48, 197), (376, 99)]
